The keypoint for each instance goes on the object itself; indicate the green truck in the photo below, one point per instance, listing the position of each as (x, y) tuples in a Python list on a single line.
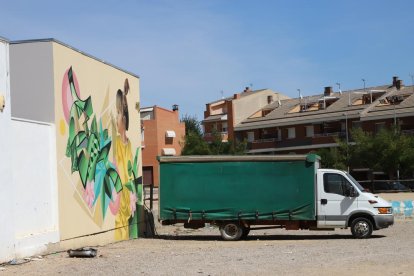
[(238, 193)]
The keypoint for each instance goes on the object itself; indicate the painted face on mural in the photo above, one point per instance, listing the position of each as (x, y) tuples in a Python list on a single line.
[(120, 118), (122, 109)]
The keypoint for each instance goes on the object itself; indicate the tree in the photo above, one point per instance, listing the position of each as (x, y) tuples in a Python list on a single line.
[(388, 150), (238, 148), (192, 125), (194, 143), (333, 158)]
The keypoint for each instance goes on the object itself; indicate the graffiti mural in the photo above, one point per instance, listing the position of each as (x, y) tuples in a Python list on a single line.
[(102, 158), (402, 209)]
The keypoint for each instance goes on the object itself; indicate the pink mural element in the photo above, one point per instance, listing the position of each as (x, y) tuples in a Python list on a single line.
[(133, 202), (89, 193), (67, 99), (114, 203)]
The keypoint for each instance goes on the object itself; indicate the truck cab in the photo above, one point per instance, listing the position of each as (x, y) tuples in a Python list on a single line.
[(342, 202)]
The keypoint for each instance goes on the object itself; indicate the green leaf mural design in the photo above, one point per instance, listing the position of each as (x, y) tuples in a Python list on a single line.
[(88, 147)]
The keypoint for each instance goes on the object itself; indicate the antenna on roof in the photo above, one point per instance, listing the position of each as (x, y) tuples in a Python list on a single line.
[(221, 92), (339, 87), (300, 94)]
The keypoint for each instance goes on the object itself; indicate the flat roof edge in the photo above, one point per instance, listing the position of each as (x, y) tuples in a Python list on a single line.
[(232, 158), (74, 49), (3, 39)]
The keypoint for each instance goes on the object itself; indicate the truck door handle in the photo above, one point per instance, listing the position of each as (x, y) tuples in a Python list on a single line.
[(324, 201)]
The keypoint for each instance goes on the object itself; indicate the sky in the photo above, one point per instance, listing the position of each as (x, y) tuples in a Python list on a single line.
[(194, 52)]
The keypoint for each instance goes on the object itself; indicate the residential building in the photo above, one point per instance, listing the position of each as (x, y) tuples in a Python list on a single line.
[(70, 151), (162, 134), (307, 124), (223, 115)]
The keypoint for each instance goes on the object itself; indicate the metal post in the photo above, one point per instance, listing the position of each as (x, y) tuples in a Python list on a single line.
[(346, 127), (151, 196), (412, 81), (347, 140), (370, 92), (395, 117)]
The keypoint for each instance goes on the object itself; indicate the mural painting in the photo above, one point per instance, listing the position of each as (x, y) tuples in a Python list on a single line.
[(101, 156), (403, 209)]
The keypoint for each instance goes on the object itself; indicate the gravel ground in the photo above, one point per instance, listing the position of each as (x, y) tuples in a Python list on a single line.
[(178, 251)]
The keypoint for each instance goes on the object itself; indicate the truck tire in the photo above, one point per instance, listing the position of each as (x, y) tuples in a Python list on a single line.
[(361, 228), (231, 231)]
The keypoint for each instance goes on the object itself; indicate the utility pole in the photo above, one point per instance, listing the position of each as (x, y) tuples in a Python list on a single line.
[(347, 140)]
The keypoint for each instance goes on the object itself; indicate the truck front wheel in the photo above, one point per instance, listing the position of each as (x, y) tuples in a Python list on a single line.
[(231, 231), (361, 228)]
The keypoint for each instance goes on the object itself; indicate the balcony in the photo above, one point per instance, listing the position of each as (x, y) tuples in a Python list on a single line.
[(209, 136), (328, 137), (277, 143), (263, 143), (408, 131)]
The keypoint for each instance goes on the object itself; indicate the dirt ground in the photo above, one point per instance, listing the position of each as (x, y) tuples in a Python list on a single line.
[(178, 251)]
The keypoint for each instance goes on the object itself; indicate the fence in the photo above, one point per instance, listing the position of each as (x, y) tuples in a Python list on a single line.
[(388, 186)]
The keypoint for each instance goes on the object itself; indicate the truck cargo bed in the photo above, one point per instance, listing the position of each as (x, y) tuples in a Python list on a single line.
[(237, 187)]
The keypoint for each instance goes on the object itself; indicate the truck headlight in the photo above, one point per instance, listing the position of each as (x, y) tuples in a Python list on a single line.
[(385, 210)]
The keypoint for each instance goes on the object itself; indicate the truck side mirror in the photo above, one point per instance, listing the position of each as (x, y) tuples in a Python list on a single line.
[(352, 192)]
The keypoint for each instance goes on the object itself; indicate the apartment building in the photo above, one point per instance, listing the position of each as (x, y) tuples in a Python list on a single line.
[(302, 125), (162, 134), (223, 115)]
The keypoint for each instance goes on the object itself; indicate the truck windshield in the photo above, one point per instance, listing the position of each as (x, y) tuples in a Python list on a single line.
[(362, 189)]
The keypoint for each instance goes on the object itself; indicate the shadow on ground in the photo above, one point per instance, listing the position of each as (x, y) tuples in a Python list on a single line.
[(263, 237)]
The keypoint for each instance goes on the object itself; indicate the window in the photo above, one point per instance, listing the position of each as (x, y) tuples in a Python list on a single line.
[(379, 126), (250, 137), (309, 131), (291, 133), (279, 134), (336, 184), (224, 127), (356, 124)]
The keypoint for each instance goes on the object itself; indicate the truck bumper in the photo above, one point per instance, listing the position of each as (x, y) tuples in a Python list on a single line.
[(383, 221)]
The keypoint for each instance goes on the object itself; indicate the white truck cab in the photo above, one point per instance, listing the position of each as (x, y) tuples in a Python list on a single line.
[(342, 202)]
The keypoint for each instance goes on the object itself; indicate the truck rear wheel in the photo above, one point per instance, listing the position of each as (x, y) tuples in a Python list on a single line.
[(231, 231), (361, 228)]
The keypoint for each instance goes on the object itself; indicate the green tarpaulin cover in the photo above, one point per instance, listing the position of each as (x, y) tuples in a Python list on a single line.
[(230, 190)]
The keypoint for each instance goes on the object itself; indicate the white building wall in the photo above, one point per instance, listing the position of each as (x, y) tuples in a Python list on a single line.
[(246, 106), (31, 77), (28, 197), (35, 186), (6, 182)]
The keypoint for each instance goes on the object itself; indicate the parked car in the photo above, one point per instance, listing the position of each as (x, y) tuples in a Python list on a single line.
[(390, 186)]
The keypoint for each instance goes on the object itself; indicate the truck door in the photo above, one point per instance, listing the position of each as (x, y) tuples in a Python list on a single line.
[(334, 202)]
